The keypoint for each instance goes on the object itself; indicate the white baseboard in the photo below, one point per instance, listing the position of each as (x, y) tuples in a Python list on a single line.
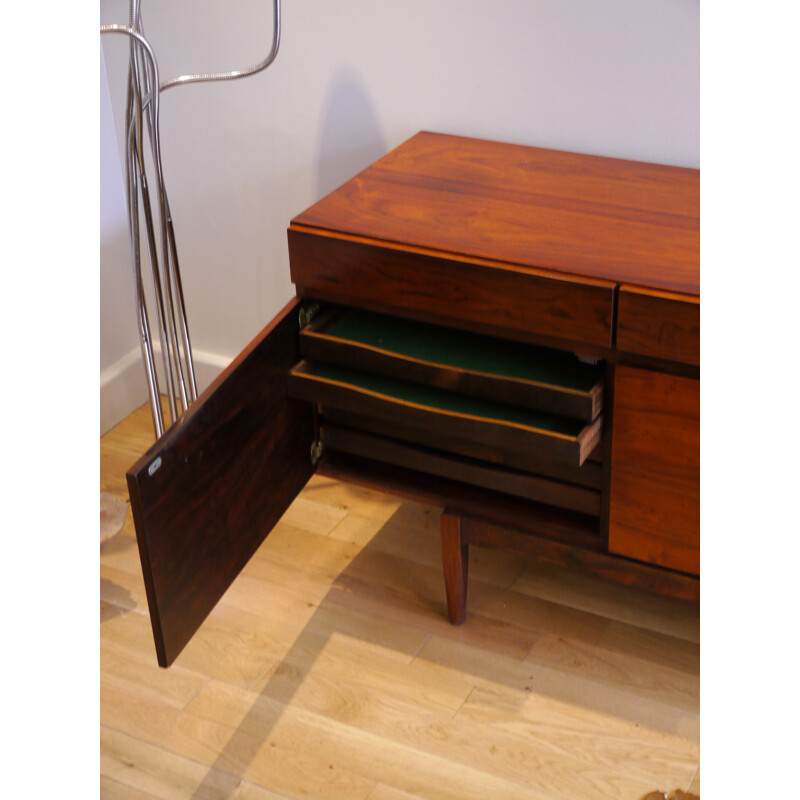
[(123, 386), (123, 389)]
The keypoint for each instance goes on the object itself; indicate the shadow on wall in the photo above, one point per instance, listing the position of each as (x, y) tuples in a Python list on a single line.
[(350, 138)]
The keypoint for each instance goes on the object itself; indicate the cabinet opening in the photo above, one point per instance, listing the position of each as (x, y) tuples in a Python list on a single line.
[(501, 415)]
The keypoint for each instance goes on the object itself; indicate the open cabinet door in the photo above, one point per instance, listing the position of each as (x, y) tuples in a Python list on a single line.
[(209, 491)]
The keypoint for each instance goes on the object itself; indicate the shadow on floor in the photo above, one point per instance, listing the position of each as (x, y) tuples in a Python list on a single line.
[(407, 591)]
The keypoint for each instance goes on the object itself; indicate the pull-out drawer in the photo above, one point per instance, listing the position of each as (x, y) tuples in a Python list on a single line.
[(589, 474), (545, 380), (536, 487), (493, 400), (464, 416)]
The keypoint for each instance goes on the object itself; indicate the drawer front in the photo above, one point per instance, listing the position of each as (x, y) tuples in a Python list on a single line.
[(659, 325), (492, 425), (590, 474), (555, 382), (490, 298), (655, 469)]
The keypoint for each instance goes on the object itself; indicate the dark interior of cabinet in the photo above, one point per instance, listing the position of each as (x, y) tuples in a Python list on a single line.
[(471, 420)]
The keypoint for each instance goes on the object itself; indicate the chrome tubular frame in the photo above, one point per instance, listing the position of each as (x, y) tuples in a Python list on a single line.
[(144, 90)]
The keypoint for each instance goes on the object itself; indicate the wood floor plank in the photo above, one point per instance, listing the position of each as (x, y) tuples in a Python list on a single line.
[(283, 596), (423, 546), (171, 729), (332, 659), (276, 600), (429, 615), (415, 585), (123, 589), (393, 588), (262, 760), (494, 672), (535, 614), (110, 610), (121, 446), (121, 552), (361, 529), (652, 646), (114, 790), (694, 786), (404, 723), (251, 791), (384, 792), (131, 669), (408, 767), (317, 552), (668, 615), (417, 516), (368, 633), (499, 620), (231, 645), (416, 582), (158, 772), (312, 516), (376, 505), (609, 667), (652, 757), (131, 631)]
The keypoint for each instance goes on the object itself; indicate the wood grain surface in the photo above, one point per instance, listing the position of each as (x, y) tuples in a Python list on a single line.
[(489, 297), (455, 563), (655, 469), (662, 325), (311, 382), (590, 474), (612, 219), (205, 496), (435, 462)]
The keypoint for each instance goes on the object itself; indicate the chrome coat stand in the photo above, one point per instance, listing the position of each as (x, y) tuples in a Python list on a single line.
[(144, 90)]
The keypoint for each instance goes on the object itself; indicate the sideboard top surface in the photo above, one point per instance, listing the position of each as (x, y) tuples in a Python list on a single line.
[(591, 216)]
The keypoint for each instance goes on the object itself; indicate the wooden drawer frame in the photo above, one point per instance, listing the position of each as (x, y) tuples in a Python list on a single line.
[(403, 352)]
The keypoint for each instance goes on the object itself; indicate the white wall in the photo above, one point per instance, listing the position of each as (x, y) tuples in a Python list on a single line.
[(355, 78), (122, 384)]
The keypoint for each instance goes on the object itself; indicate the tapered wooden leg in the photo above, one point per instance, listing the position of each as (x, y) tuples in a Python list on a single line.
[(455, 560)]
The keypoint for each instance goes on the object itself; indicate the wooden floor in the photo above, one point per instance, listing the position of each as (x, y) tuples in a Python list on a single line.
[(329, 670)]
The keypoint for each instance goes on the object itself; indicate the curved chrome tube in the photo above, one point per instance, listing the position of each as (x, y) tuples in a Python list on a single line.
[(136, 180), (140, 82), (238, 73), (143, 105)]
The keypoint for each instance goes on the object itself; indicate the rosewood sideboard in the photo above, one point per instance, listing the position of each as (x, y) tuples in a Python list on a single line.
[(508, 332)]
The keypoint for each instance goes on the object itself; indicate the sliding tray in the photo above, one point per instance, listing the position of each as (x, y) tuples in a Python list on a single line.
[(589, 474), (486, 422), (509, 372), (464, 470)]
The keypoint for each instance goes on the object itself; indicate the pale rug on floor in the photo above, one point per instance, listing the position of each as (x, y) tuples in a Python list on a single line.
[(112, 515)]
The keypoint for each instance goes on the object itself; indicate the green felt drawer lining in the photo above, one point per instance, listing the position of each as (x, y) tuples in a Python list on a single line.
[(436, 344), (450, 402)]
